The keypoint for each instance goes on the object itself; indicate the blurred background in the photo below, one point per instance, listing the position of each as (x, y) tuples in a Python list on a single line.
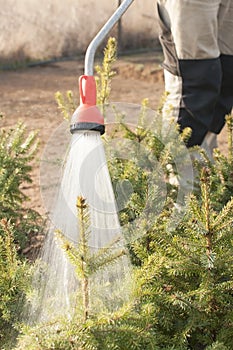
[(45, 29)]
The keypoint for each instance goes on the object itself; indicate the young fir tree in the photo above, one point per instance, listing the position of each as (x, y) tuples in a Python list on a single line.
[(188, 277), (14, 284), (86, 262), (17, 150)]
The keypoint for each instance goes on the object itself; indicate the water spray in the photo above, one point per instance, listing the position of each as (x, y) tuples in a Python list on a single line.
[(87, 116)]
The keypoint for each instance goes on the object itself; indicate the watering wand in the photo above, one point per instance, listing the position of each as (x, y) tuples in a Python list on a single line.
[(87, 116)]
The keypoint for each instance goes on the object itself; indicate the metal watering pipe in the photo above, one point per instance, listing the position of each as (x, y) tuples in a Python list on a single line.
[(87, 116), (91, 50)]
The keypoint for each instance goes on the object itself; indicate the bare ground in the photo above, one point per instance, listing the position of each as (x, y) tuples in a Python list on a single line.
[(28, 94)]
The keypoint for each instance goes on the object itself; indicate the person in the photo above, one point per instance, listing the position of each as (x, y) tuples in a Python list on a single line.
[(197, 41)]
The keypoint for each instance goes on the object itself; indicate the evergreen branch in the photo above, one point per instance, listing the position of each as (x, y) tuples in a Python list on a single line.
[(72, 253), (128, 132), (179, 300), (70, 98), (205, 195), (195, 208), (207, 210), (181, 246), (141, 129), (66, 103), (105, 73), (104, 260), (224, 218), (10, 252), (84, 228)]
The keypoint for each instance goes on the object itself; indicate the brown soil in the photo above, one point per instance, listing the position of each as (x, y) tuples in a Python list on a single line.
[(28, 94)]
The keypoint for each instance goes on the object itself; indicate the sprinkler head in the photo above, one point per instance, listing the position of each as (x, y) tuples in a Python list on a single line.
[(87, 116)]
